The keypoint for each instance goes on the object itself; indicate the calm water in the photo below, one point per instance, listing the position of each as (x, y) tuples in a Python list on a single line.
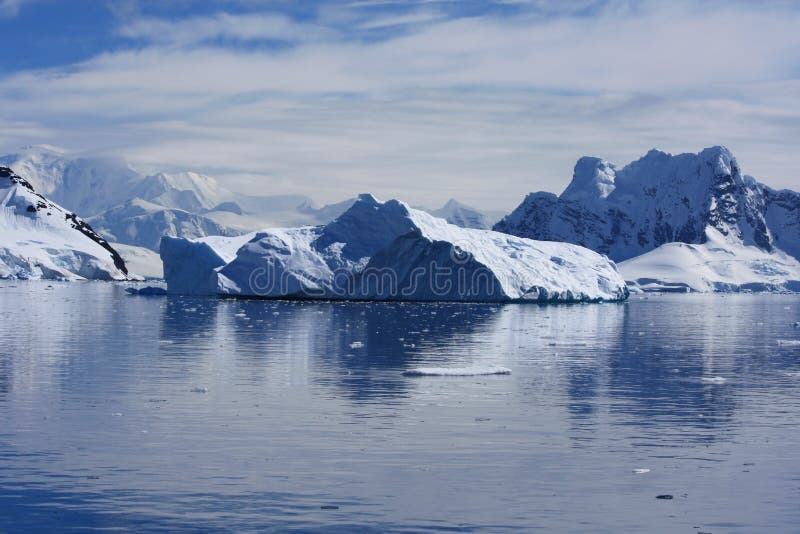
[(134, 413)]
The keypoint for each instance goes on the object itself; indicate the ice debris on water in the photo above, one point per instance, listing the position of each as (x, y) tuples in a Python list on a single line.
[(356, 345), (789, 342), (641, 471), (713, 380), (477, 370), (199, 389), (149, 291)]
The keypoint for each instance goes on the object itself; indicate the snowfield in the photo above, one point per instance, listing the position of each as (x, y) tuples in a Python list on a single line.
[(41, 240), (716, 265), (388, 251)]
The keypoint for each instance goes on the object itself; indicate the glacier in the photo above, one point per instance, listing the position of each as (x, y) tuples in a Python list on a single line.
[(675, 222), (41, 240), (388, 251)]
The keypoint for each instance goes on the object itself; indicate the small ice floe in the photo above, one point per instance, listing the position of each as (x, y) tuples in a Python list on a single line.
[(796, 324), (117, 414), (356, 345), (713, 380), (477, 370), (789, 342), (199, 389), (149, 291), (641, 471)]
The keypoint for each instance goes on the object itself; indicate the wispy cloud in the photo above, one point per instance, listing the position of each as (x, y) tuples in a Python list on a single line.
[(482, 107), (245, 28), (401, 20)]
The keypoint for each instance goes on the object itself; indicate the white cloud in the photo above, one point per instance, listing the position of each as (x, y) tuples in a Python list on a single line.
[(483, 109)]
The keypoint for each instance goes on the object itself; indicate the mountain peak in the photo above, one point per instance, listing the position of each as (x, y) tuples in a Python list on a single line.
[(368, 198), (593, 178), (659, 198)]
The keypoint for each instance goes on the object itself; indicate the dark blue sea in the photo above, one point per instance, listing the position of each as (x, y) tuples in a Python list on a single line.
[(136, 414)]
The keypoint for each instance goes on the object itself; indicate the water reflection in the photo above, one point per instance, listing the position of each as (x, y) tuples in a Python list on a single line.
[(178, 412)]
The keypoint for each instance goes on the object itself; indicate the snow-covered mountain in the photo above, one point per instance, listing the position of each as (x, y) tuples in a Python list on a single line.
[(662, 199), (465, 216), (132, 208), (40, 239), (388, 251), (136, 209)]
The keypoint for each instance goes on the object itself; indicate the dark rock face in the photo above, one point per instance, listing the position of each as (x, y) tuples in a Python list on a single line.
[(656, 200), (782, 215), (84, 228)]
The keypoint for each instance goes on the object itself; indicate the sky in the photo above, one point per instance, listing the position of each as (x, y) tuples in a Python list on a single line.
[(422, 100)]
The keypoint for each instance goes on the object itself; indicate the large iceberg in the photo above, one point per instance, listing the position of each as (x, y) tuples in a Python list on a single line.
[(388, 251)]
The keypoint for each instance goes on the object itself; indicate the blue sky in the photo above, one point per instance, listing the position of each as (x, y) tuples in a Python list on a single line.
[(421, 100)]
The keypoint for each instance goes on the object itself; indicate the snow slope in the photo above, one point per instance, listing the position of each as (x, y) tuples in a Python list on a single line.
[(141, 262), (662, 201), (388, 251), (40, 239), (716, 265)]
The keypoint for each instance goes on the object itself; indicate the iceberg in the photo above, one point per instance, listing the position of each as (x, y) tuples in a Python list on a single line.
[(389, 251)]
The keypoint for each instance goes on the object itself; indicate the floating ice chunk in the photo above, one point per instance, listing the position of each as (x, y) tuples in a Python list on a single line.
[(476, 370), (149, 291), (789, 342), (199, 389), (713, 380), (356, 345), (797, 324), (641, 471)]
